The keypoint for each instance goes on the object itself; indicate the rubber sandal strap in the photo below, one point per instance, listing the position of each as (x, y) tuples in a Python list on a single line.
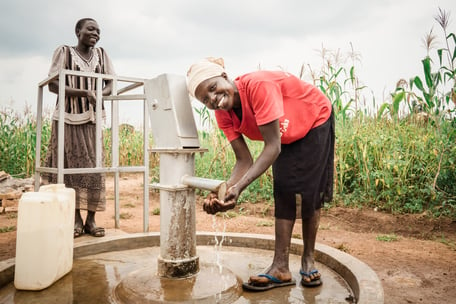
[(301, 272), (270, 277)]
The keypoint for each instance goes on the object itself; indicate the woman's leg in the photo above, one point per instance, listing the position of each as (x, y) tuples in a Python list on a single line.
[(309, 236), (90, 226), (78, 224), (280, 264)]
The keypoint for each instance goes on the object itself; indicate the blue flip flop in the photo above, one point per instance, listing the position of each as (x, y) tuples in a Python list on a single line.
[(313, 282), (272, 283)]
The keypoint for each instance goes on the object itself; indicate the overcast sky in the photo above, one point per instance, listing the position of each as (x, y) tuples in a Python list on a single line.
[(145, 38)]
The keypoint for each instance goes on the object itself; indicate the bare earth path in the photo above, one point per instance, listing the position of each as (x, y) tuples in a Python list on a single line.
[(414, 256)]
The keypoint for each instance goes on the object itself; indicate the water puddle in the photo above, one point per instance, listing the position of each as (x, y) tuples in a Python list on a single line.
[(95, 279)]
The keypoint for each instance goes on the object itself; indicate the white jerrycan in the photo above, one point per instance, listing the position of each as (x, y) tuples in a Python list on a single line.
[(44, 243)]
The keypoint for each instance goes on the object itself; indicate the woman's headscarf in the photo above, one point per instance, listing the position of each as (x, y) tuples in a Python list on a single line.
[(203, 70)]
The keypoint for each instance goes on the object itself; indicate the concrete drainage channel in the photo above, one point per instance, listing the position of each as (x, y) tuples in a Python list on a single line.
[(361, 279)]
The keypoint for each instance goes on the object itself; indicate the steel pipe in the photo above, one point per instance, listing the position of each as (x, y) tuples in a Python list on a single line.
[(213, 185)]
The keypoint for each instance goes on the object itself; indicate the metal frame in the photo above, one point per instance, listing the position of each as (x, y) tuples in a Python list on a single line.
[(114, 168)]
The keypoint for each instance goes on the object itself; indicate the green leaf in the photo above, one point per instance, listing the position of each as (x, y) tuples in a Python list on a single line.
[(427, 71), (384, 107), (452, 35), (440, 52), (397, 101), (454, 41), (418, 83), (449, 74)]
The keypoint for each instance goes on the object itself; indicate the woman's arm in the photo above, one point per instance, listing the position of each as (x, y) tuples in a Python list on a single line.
[(107, 89), (271, 149), (212, 203), (89, 94), (244, 172), (244, 160)]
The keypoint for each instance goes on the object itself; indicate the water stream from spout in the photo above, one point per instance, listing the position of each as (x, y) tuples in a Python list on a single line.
[(218, 242), (219, 238)]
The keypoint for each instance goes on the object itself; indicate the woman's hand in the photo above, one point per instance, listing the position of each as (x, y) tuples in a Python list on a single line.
[(212, 204), (231, 196), (92, 97)]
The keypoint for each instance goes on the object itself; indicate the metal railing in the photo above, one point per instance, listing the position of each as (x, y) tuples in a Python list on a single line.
[(116, 96)]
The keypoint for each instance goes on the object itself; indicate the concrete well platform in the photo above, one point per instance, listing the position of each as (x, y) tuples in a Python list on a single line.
[(245, 254)]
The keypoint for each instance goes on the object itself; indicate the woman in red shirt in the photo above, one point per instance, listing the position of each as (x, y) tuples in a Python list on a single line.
[(294, 120)]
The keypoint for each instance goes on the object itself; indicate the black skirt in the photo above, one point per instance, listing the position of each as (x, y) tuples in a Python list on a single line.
[(304, 173)]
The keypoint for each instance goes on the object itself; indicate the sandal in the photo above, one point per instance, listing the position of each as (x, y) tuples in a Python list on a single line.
[(95, 231), (78, 231), (311, 278), (266, 282)]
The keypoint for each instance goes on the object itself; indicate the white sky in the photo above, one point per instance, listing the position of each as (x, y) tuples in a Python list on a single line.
[(145, 38)]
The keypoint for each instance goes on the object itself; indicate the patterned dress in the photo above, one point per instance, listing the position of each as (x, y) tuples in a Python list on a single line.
[(80, 128)]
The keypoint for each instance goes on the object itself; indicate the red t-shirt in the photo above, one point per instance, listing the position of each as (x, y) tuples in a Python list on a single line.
[(270, 95)]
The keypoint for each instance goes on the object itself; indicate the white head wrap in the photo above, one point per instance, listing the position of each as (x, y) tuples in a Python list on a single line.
[(203, 70)]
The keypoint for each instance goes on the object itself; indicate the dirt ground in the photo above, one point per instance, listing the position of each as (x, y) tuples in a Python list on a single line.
[(413, 255)]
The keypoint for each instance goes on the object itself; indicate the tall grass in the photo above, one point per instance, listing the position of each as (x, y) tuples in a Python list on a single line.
[(17, 141), (396, 166), (399, 166), (434, 93), (131, 146)]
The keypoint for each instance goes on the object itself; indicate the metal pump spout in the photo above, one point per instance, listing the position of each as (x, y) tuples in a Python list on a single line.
[(213, 185)]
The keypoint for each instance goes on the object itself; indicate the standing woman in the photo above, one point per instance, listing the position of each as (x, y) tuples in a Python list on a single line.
[(294, 120), (80, 127)]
